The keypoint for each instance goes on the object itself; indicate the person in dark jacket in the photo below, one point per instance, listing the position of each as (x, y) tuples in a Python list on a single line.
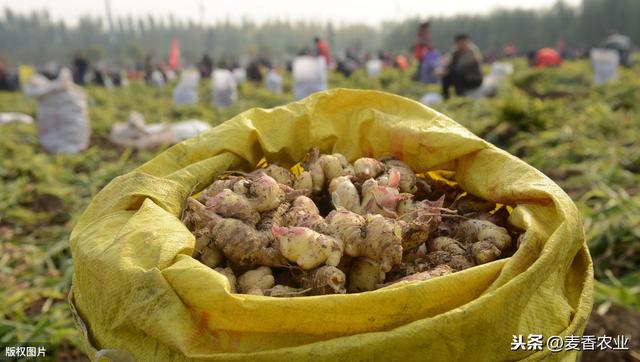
[(8, 78), (463, 70), (205, 66), (80, 68), (621, 44), (254, 72)]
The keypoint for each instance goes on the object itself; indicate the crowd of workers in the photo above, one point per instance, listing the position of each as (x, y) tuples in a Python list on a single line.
[(459, 68)]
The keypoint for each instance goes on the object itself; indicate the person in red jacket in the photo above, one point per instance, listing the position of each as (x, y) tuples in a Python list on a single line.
[(422, 44), (421, 47), (322, 49), (547, 57), (509, 50), (401, 62)]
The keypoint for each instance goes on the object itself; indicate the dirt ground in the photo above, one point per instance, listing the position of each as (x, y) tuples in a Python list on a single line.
[(617, 320)]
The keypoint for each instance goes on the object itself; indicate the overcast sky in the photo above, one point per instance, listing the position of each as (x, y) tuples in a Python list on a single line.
[(371, 12)]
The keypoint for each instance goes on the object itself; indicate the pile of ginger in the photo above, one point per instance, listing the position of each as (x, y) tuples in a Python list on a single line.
[(339, 227)]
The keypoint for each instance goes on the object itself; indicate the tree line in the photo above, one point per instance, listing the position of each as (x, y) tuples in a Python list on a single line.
[(36, 38)]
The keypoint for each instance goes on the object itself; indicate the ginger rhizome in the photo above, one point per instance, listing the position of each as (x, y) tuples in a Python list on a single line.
[(242, 244), (344, 194), (365, 274), (306, 247), (373, 236), (487, 240), (256, 281), (338, 227)]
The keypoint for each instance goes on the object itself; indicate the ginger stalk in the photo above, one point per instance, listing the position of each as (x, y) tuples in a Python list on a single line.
[(256, 281), (308, 248)]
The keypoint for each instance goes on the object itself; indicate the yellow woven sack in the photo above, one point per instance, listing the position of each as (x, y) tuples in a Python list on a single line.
[(138, 294)]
